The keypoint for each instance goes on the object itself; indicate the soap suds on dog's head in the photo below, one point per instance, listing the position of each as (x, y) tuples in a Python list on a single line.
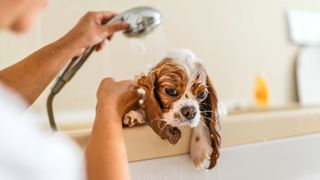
[(186, 56), (189, 60)]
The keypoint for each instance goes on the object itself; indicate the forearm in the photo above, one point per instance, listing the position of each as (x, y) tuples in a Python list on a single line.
[(106, 153), (32, 75)]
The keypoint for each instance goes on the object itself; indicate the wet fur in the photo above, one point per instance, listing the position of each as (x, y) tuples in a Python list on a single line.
[(188, 79)]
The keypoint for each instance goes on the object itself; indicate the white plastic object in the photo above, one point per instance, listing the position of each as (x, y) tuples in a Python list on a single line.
[(308, 76)]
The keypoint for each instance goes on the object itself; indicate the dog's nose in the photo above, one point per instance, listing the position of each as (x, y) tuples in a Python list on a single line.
[(189, 112)]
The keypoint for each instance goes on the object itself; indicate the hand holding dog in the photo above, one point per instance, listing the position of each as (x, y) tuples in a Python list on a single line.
[(121, 96), (106, 146)]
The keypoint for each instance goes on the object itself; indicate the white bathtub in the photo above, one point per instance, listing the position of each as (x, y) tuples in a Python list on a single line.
[(275, 145), (296, 158)]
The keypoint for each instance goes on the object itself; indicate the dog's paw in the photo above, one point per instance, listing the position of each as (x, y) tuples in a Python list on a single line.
[(201, 154), (133, 118), (200, 150)]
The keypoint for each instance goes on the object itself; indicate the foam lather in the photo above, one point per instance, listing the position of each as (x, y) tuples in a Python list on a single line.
[(153, 113)]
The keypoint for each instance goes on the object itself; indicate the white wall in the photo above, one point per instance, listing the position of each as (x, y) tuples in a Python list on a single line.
[(236, 40)]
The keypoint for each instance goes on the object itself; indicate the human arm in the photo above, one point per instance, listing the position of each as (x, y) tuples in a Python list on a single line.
[(31, 76), (106, 154)]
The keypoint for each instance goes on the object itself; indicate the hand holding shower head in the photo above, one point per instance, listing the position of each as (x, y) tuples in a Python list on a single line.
[(142, 20)]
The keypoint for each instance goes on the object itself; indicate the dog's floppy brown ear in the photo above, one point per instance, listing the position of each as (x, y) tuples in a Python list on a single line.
[(210, 111), (153, 110), (153, 76)]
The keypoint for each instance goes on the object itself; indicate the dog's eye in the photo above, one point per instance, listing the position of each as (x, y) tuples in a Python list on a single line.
[(202, 95), (172, 92)]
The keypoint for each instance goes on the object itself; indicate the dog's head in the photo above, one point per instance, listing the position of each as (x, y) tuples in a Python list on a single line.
[(186, 96)]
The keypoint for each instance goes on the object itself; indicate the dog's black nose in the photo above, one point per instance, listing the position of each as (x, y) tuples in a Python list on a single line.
[(189, 112)]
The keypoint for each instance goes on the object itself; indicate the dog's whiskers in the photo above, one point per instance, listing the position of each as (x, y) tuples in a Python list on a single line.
[(155, 119), (205, 103), (203, 129), (208, 111), (210, 119)]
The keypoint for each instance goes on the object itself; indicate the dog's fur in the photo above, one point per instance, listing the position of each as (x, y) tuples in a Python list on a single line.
[(183, 73)]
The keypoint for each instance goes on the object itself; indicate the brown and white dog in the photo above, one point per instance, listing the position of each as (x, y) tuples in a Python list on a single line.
[(186, 96)]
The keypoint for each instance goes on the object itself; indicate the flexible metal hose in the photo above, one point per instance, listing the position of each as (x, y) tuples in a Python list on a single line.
[(72, 68)]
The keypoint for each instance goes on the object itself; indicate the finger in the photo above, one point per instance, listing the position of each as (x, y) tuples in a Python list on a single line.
[(132, 82), (100, 46), (104, 16), (104, 84), (132, 99), (112, 28), (131, 87), (107, 80), (110, 37)]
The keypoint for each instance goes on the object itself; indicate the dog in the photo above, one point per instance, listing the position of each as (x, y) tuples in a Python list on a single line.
[(186, 96)]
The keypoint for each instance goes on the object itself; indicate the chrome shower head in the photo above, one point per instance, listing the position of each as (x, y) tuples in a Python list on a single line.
[(142, 20)]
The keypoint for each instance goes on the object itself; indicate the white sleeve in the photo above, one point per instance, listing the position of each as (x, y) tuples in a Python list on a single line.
[(26, 152)]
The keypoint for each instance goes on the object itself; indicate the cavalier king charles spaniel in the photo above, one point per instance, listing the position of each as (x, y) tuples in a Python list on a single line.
[(186, 96)]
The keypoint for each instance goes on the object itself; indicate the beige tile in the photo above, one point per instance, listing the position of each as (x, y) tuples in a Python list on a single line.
[(236, 40)]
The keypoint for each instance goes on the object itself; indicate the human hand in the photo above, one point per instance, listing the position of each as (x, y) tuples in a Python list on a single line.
[(90, 31), (106, 147), (121, 96)]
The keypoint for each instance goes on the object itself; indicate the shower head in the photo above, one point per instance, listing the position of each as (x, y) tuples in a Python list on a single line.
[(142, 20)]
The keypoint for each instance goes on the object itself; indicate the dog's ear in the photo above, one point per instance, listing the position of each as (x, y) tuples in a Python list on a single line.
[(210, 111), (153, 76), (153, 73), (153, 111)]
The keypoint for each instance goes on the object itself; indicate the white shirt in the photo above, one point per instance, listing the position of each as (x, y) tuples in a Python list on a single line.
[(26, 152)]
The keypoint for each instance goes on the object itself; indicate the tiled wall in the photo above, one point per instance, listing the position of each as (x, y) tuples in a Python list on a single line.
[(235, 39)]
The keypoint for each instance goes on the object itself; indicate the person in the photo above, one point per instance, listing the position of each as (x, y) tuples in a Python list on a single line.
[(26, 152)]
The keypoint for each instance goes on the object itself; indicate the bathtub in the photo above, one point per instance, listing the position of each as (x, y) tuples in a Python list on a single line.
[(271, 145), (296, 158)]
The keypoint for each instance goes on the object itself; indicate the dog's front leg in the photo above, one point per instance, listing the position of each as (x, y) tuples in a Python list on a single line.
[(200, 148), (133, 118)]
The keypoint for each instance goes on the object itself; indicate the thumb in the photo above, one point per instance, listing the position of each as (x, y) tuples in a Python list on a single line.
[(112, 28)]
